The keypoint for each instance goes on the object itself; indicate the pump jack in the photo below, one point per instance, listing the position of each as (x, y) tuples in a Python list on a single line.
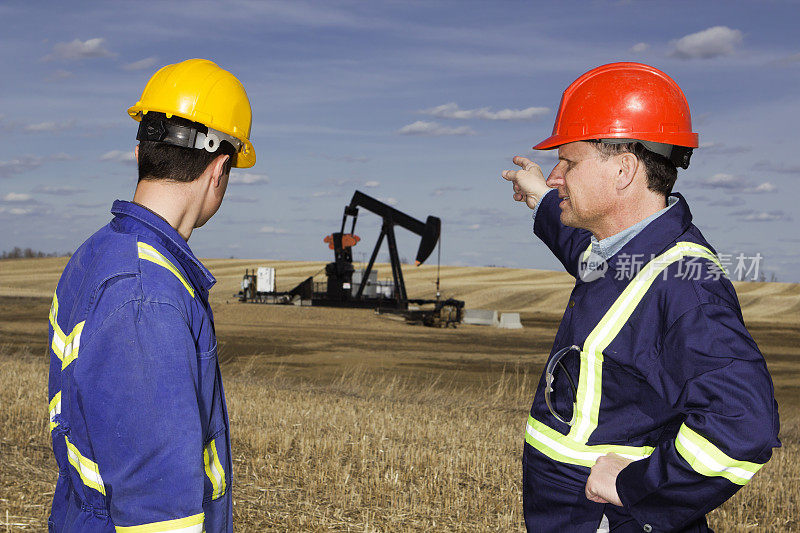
[(340, 290), (429, 231)]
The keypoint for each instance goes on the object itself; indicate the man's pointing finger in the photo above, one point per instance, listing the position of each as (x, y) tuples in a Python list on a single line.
[(510, 175), (524, 162)]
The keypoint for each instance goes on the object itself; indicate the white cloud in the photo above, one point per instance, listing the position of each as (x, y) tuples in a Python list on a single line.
[(763, 216), (342, 182), (449, 189), (731, 183), (323, 194), (372, 184), (78, 49), (20, 164), (433, 129), (722, 181), (236, 198), (388, 201), (639, 48), (248, 178), (50, 127), (712, 42), (272, 230), (17, 197), (142, 64), (58, 191), (474, 227), (763, 187), (119, 156), (451, 110), (17, 210)]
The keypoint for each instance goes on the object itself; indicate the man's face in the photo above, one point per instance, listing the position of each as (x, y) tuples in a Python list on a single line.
[(585, 184)]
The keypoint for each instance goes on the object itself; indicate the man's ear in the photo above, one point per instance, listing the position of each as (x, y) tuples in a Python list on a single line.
[(218, 168), (628, 167), (136, 153)]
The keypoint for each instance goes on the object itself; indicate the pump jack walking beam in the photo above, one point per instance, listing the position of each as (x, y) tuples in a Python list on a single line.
[(429, 231)]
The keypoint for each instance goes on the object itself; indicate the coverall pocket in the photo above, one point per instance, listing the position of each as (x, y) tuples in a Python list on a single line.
[(552, 505), (210, 393), (620, 408)]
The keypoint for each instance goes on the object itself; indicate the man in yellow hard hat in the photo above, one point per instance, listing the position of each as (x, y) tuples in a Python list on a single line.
[(138, 418), (656, 405)]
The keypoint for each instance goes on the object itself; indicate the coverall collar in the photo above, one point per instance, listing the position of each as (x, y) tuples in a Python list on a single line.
[(609, 246), (656, 237), (167, 237)]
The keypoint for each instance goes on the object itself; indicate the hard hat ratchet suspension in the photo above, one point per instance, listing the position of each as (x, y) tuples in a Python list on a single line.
[(159, 130), (678, 155)]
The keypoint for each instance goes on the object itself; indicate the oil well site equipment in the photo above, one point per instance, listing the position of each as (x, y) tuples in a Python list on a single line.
[(347, 287)]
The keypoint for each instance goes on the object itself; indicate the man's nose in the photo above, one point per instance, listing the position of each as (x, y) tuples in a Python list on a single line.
[(555, 178)]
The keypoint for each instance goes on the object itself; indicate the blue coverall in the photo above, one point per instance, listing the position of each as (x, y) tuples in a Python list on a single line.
[(667, 375), (138, 419)]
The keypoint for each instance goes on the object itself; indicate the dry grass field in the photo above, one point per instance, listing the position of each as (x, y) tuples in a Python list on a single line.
[(343, 420)]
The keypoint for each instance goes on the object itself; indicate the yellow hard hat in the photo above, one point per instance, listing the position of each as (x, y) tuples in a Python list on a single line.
[(200, 91)]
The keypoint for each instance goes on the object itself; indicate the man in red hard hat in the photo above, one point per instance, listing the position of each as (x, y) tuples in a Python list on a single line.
[(656, 405)]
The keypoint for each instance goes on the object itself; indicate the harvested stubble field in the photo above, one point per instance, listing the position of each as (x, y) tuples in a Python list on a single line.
[(343, 420)]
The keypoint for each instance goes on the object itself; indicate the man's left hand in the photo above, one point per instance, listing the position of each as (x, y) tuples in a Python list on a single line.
[(601, 487)]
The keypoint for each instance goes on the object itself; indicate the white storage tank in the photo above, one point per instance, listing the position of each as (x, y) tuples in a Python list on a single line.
[(265, 279)]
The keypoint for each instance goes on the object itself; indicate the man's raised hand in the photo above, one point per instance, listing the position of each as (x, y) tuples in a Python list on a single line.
[(529, 183)]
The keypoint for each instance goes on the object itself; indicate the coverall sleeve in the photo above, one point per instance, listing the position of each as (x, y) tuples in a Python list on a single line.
[(710, 369), (138, 388), (566, 243)]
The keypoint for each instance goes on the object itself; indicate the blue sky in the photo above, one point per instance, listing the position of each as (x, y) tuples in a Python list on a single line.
[(421, 104)]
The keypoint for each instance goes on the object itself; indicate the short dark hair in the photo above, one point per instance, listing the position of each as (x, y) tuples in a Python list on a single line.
[(162, 161), (661, 172)]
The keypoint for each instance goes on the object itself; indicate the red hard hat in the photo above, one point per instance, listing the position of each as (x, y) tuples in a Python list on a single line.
[(623, 101)]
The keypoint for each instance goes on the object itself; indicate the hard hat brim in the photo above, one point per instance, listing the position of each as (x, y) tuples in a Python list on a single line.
[(246, 157), (689, 140)]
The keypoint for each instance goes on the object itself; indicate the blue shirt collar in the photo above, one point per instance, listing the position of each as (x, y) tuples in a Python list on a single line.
[(608, 247), (167, 237), (656, 235)]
